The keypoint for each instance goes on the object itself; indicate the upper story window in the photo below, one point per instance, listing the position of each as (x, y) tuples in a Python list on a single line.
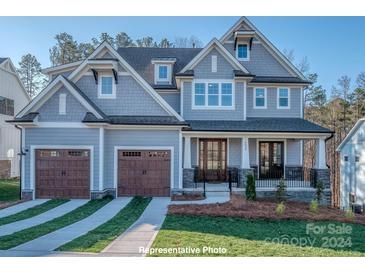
[(259, 98), (283, 98), (6, 106), (162, 74), (106, 86), (213, 95), (242, 52)]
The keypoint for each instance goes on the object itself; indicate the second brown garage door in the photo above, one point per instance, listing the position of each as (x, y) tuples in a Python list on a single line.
[(144, 172), (62, 173)]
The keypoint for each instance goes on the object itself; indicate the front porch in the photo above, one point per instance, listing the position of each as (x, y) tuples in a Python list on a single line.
[(221, 163)]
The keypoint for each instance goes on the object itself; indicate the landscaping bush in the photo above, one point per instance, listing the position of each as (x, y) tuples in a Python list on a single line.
[(280, 191), (313, 207), (319, 191), (250, 188), (349, 214), (280, 209)]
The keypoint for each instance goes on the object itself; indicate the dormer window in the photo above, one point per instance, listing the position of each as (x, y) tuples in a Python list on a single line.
[(162, 74), (242, 52), (106, 86)]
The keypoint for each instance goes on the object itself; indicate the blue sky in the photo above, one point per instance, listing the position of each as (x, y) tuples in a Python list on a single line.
[(334, 46)]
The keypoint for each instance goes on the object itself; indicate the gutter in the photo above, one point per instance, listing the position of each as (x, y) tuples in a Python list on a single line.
[(325, 141), (21, 154)]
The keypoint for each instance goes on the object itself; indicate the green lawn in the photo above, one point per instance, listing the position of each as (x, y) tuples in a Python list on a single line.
[(26, 235), (97, 239), (243, 237), (33, 211), (9, 190)]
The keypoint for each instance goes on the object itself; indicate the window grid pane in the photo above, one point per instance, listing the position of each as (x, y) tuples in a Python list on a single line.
[(283, 97), (260, 97), (242, 51), (213, 97), (199, 94), (107, 85), (162, 72)]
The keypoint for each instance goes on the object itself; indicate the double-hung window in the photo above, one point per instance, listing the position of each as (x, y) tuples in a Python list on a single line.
[(106, 86), (283, 98), (260, 98), (213, 95), (162, 73), (242, 52)]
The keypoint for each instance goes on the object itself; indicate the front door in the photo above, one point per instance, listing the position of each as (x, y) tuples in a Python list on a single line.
[(271, 161), (213, 159)]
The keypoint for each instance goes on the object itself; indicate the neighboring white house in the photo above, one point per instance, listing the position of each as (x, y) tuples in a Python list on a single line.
[(352, 166), (13, 98)]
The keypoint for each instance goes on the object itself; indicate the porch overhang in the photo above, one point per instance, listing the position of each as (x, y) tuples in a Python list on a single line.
[(263, 134)]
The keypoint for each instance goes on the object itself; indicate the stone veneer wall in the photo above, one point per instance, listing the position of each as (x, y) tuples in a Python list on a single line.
[(188, 178)]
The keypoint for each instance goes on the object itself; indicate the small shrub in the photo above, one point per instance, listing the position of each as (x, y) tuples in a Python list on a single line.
[(280, 209), (349, 214), (280, 191), (319, 191), (250, 188), (313, 207)]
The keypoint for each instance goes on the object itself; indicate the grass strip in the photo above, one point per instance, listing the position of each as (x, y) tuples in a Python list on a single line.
[(97, 239), (9, 190), (33, 211), (26, 235)]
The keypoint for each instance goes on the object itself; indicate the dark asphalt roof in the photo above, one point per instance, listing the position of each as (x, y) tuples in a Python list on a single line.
[(141, 59), (27, 118), (2, 59), (136, 120), (276, 79), (258, 125)]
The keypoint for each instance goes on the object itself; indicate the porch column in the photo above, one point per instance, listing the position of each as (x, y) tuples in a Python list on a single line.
[(187, 152), (245, 153), (321, 154)]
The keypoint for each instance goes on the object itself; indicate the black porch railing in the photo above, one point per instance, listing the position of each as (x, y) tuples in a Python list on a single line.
[(293, 177)]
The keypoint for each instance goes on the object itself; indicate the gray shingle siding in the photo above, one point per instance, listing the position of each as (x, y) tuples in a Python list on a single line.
[(293, 156), (131, 98), (194, 151), (234, 151), (172, 98), (203, 70), (64, 137), (261, 61), (49, 111), (219, 114), (138, 138), (272, 110)]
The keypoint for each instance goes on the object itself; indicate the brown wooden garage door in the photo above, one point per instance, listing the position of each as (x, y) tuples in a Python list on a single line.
[(62, 173), (144, 173)]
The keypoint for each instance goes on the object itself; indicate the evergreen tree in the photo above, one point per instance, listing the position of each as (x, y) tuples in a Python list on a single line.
[(122, 40), (146, 42), (30, 73), (65, 51)]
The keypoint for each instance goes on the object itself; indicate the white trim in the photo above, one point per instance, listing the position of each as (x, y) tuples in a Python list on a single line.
[(23, 159), (106, 96), (187, 152), (214, 63), (182, 99), (258, 153), (248, 51), (32, 162), (245, 100), (116, 148), (206, 82), (349, 135), (62, 105), (134, 74), (54, 86), (278, 97), (254, 98), (197, 151), (301, 102), (101, 158), (221, 49), (180, 160), (224, 134), (53, 70), (227, 154), (266, 43), (245, 153), (301, 152), (168, 73)]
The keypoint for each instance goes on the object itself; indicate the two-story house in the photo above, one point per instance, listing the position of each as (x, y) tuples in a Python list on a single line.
[(13, 97), (139, 121)]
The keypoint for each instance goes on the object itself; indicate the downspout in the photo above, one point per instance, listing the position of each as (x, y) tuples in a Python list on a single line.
[(21, 154), (325, 141)]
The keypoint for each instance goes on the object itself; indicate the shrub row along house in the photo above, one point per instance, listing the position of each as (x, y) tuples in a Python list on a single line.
[(142, 121)]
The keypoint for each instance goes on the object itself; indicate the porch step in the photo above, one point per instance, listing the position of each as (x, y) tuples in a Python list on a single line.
[(217, 193)]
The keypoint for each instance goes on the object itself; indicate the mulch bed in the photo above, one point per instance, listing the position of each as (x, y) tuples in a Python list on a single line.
[(264, 209), (187, 197), (11, 203)]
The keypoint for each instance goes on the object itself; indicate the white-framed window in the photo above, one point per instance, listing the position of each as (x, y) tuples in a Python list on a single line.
[(259, 98), (283, 98), (213, 94), (242, 52), (162, 73), (106, 86), (62, 103), (214, 63)]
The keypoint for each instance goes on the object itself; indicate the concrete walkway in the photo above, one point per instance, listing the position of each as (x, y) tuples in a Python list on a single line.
[(20, 207), (64, 235), (41, 218), (142, 233)]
